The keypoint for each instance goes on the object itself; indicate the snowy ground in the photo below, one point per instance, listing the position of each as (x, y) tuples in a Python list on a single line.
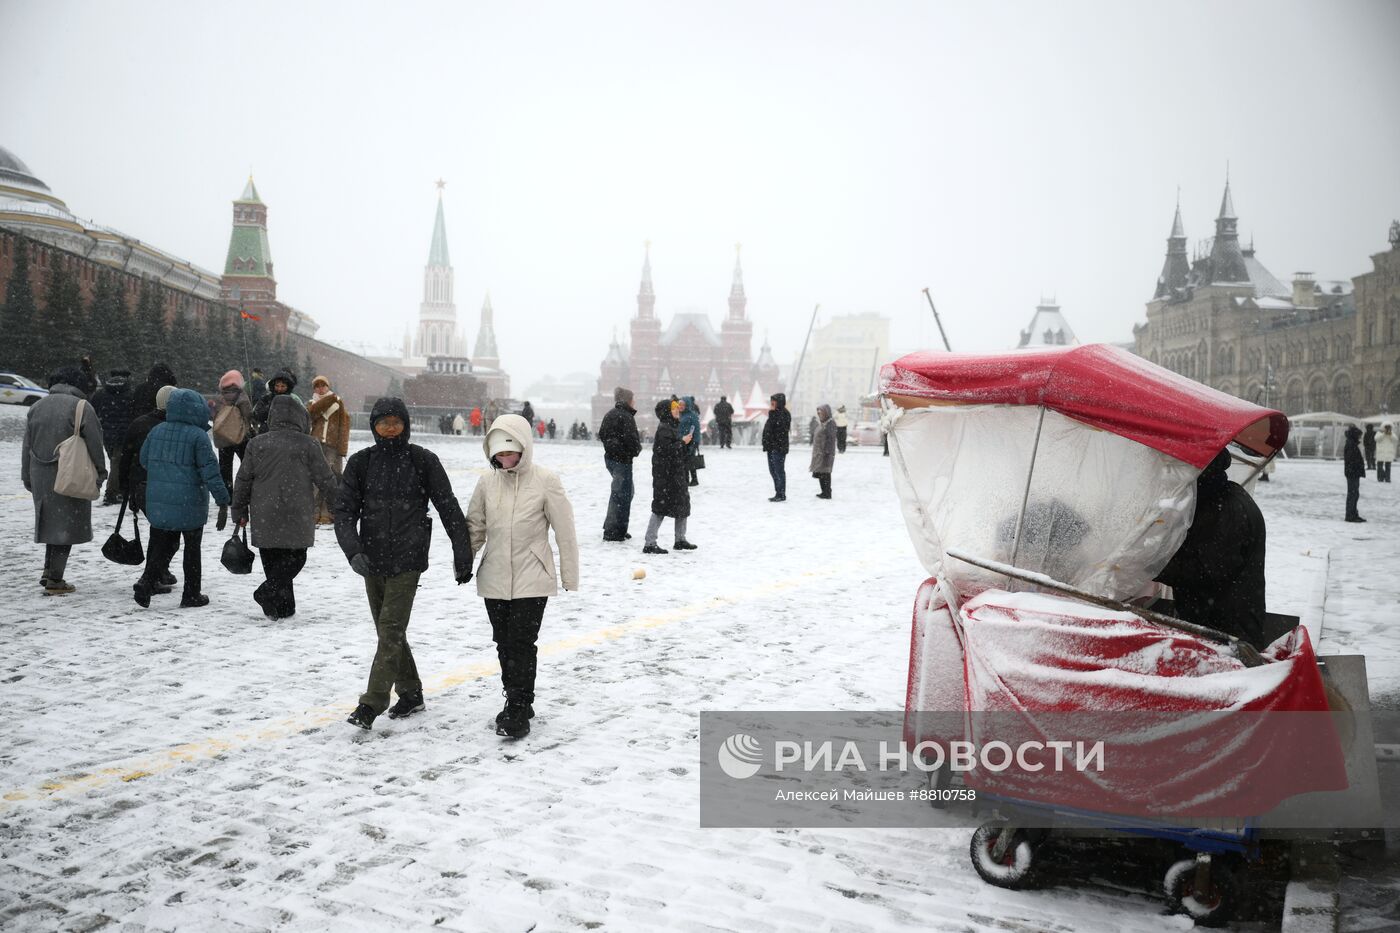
[(190, 768)]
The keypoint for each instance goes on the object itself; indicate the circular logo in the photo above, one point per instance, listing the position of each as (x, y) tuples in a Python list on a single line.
[(740, 756)]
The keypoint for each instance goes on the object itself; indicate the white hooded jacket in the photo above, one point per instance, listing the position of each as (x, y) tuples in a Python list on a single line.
[(509, 518)]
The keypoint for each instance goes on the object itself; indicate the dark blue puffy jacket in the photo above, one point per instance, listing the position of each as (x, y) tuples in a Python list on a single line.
[(690, 424), (181, 467)]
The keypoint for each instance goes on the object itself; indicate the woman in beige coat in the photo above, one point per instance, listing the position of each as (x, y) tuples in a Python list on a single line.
[(511, 511)]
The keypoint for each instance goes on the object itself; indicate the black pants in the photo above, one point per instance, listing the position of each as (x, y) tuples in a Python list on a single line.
[(726, 435), (1382, 471), (281, 565), (161, 548), (515, 624), (114, 472), (226, 462), (824, 481), (1353, 495), (56, 560), (840, 440)]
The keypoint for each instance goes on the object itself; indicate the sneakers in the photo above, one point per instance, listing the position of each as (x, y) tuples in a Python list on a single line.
[(197, 601), (407, 705), (685, 546), (654, 549), (57, 587), (363, 717)]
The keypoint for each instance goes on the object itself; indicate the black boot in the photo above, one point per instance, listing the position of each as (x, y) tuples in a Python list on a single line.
[(363, 717), (514, 720), (407, 705)]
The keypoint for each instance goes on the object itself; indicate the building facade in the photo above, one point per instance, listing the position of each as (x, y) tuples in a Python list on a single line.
[(1222, 318), (842, 360), (687, 356)]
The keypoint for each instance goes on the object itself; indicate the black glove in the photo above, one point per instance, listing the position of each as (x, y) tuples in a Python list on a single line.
[(360, 564), (464, 575)]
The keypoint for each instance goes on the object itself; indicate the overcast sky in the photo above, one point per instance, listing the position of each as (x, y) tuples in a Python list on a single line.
[(993, 152)]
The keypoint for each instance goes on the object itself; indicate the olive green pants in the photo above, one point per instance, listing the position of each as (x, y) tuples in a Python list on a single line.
[(390, 604)]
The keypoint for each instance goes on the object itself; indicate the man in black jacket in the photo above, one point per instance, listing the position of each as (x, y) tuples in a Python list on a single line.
[(113, 405), (143, 397), (281, 384), (382, 525), (1354, 466), (775, 443), (1217, 575), (724, 422), (621, 445)]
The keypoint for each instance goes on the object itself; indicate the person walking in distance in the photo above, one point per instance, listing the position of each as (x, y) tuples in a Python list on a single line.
[(552, 428), (113, 403), (824, 450), (621, 445), (670, 487), (233, 418), (1354, 468), (1368, 446), (383, 528), (511, 513), (775, 443), (475, 420), (275, 488), (842, 423), (1386, 444), (330, 426), (724, 422), (182, 471), (59, 521)]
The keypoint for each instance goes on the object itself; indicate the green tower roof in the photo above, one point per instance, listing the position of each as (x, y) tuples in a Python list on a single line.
[(437, 253), (249, 248), (250, 192)]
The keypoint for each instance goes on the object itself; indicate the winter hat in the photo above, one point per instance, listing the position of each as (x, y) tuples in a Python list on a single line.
[(320, 380), (231, 378), (675, 407), (622, 395), (498, 442), (163, 396)]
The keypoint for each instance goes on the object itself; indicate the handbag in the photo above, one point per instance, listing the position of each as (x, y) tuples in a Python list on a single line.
[(237, 557), (697, 462), (119, 550), (229, 427), (77, 475)]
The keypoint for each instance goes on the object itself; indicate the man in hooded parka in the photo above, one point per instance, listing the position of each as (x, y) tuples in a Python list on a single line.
[(383, 527), (278, 478), (59, 521)]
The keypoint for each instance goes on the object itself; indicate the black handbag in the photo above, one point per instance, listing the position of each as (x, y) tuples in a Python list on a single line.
[(238, 557), (119, 550), (697, 462)]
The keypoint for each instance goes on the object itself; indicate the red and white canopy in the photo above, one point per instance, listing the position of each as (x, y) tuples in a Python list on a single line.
[(1100, 385)]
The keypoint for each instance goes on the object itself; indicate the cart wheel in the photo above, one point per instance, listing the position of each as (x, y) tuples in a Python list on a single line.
[(1205, 894), (1012, 868)]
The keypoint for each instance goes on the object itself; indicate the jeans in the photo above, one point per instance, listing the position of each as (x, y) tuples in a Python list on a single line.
[(1382, 471), (1353, 495), (654, 528), (619, 499), (777, 469), (161, 548), (281, 566), (515, 626), (390, 605)]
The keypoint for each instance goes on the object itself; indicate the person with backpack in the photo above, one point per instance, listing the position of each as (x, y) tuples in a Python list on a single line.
[(330, 426), (113, 403), (182, 471), (278, 484), (510, 516), (383, 528), (60, 521), (233, 418)]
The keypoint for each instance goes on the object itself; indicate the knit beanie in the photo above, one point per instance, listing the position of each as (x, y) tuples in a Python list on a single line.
[(231, 378), (320, 380), (163, 396), (500, 442)]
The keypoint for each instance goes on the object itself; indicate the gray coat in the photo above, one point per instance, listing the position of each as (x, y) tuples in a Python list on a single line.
[(276, 477), (824, 441), (59, 519)]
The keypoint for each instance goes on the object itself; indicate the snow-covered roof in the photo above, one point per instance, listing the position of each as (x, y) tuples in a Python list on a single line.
[(1048, 329), (1264, 282), (696, 319)]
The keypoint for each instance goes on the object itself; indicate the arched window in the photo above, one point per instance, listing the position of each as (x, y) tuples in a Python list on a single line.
[(1294, 399), (1317, 394), (1341, 394)]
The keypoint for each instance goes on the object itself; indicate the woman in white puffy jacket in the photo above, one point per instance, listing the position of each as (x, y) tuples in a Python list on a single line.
[(511, 512), (1386, 447)]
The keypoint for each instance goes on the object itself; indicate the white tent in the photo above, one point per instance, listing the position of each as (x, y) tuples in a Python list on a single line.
[(1383, 418), (1318, 433)]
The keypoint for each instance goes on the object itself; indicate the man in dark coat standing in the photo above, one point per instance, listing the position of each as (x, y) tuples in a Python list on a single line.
[(382, 526), (775, 443), (1368, 446), (1355, 469), (527, 412), (621, 445), (724, 421), (1217, 575), (670, 481), (113, 404)]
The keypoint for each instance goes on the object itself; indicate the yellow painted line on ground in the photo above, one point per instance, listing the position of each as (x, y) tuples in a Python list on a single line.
[(168, 759)]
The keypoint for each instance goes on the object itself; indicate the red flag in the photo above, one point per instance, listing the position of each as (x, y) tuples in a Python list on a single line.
[(250, 317)]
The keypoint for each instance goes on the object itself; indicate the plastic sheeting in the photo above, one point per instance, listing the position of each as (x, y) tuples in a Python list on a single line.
[(1104, 513)]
